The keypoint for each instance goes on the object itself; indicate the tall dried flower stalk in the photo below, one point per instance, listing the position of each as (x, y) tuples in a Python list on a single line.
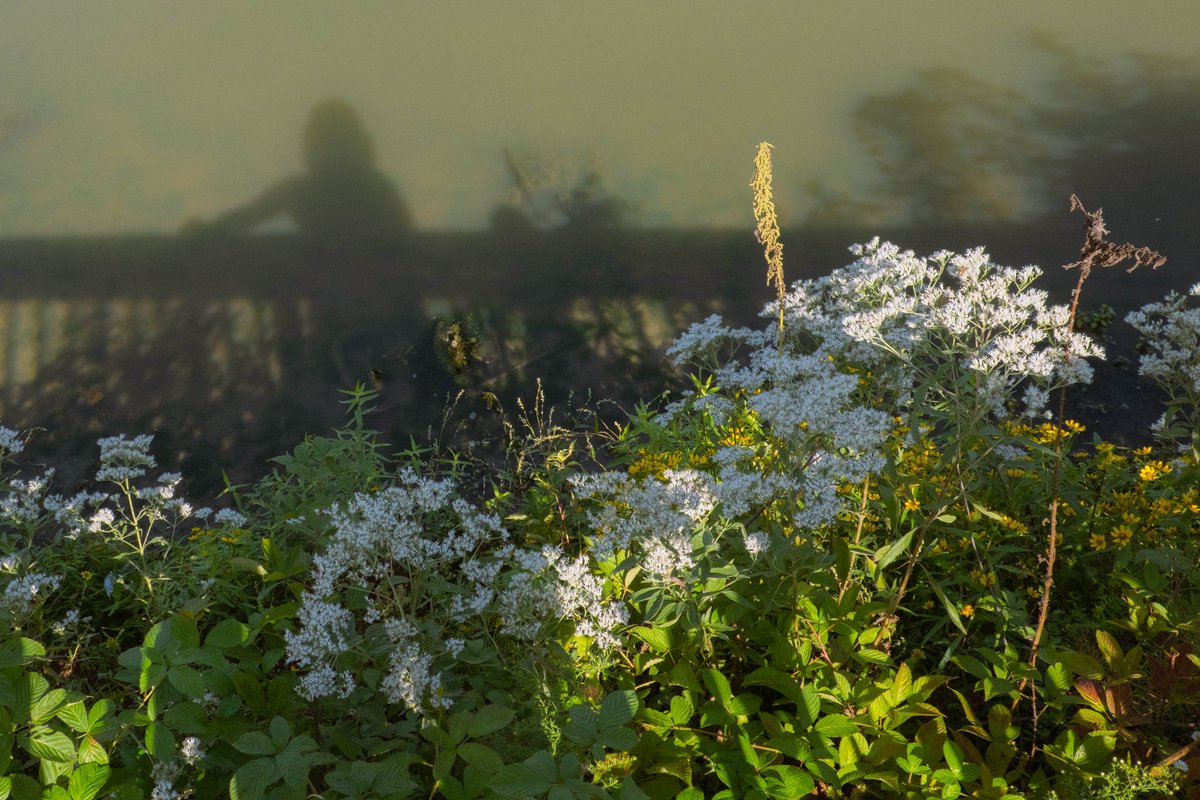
[(767, 224)]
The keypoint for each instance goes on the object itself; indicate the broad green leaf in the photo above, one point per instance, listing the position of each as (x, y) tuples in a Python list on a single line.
[(778, 680), (252, 779), (228, 633), (618, 708), (835, 725), (75, 716), (281, 731), (187, 680), (44, 708), (809, 707), (681, 709), (658, 637), (532, 777), (788, 783), (718, 684), (160, 742), (187, 718), (18, 651), (480, 755), (489, 719), (87, 780), (1058, 676), (51, 745), (254, 743), (1108, 647)]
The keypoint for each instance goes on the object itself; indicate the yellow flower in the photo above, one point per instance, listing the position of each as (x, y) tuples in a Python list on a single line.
[(968, 610), (87, 576), (1097, 541), (928, 604), (1122, 534), (1142, 451), (911, 505), (1153, 470), (1074, 427)]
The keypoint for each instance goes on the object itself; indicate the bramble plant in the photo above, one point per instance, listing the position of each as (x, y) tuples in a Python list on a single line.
[(822, 572)]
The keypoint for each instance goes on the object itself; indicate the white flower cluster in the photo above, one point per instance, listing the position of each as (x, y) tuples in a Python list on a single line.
[(22, 592), (415, 537), (1171, 336), (122, 459), (11, 442), (22, 504), (654, 517), (915, 314)]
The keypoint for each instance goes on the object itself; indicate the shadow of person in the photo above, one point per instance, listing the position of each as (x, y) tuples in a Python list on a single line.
[(341, 199)]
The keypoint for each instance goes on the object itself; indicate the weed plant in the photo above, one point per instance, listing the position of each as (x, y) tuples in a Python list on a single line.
[(824, 572)]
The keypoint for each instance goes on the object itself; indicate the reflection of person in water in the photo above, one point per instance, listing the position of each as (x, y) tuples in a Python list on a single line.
[(342, 197)]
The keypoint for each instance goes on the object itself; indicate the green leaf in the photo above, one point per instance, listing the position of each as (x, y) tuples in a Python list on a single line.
[(254, 743), (658, 637), (778, 680), (788, 783), (228, 633), (489, 719), (718, 684), (18, 651), (252, 779), (809, 707), (951, 611), (618, 708), (50, 745), (87, 780), (681, 709), (1058, 676), (886, 555), (836, 725), (189, 718), (75, 716), (954, 758), (187, 680), (1108, 647), (160, 742), (480, 755), (532, 777), (45, 707), (281, 731)]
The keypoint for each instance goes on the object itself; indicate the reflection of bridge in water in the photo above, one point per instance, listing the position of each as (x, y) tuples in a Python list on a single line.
[(230, 349)]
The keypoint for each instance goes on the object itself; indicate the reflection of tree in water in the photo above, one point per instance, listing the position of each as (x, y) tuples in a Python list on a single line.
[(955, 148), (342, 196)]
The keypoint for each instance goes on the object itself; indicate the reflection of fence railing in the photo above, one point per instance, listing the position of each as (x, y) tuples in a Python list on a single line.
[(237, 346)]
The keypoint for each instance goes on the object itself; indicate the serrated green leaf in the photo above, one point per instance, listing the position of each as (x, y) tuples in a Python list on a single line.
[(835, 725), (718, 685), (488, 720), (532, 777), (87, 780), (187, 717), (681, 709), (809, 707), (481, 756), (618, 739), (50, 745), (618, 708), (254, 743), (252, 779), (19, 651), (657, 637), (228, 633), (187, 680), (787, 782), (160, 742), (1108, 647), (75, 716), (886, 555), (45, 707), (281, 731)]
